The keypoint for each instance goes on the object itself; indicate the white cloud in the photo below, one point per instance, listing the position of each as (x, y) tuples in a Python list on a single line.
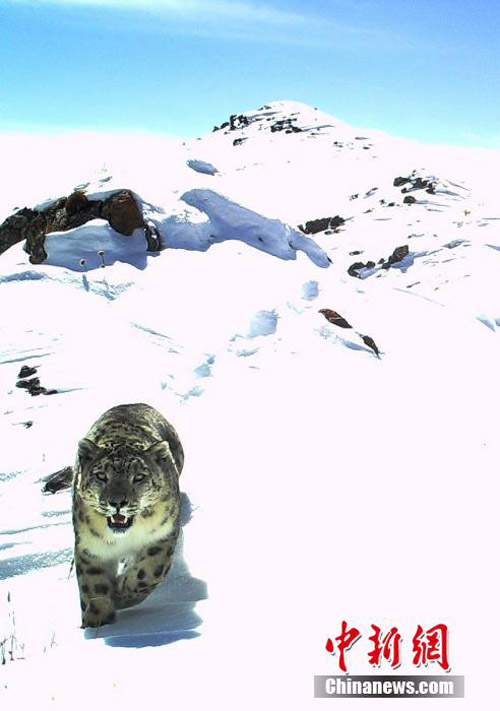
[(255, 12), (223, 11), (240, 20)]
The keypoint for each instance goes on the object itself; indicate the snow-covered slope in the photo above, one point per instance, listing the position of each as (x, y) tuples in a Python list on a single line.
[(325, 479)]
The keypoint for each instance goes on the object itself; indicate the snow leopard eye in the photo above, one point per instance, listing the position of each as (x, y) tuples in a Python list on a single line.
[(101, 476), (139, 477)]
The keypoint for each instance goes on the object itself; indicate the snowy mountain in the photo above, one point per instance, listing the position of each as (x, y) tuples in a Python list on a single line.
[(315, 308)]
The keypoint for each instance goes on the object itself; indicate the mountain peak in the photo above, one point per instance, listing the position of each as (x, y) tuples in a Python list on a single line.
[(277, 116)]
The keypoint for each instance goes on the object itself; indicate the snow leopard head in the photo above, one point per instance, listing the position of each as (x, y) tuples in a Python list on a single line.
[(123, 481)]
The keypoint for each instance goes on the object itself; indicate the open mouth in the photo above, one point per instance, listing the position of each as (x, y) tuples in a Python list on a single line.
[(119, 523)]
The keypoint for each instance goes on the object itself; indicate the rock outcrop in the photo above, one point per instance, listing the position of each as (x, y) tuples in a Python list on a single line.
[(312, 227), (398, 255), (120, 209)]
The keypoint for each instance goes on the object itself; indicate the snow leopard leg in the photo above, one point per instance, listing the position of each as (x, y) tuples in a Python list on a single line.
[(147, 572), (96, 585)]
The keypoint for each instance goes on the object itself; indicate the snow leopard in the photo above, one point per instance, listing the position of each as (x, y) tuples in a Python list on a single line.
[(126, 509)]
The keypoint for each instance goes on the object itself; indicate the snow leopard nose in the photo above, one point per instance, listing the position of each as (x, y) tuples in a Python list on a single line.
[(119, 504)]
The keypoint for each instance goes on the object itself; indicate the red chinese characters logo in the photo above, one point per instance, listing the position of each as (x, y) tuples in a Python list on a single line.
[(428, 646), (431, 646), (388, 647), (345, 641)]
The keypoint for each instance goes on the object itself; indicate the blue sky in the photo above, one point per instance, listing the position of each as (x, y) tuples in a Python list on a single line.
[(426, 69)]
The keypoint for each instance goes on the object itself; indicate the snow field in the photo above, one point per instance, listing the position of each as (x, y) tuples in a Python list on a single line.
[(321, 483)]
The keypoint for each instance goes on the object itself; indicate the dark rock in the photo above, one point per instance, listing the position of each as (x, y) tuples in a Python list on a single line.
[(34, 234), (235, 121), (238, 121), (286, 125), (32, 386), (399, 254), (354, 269), (40, 390), (356, 252), (153, 238), (321, 224), (415, 183), (239, 141), (58, 481), (60, 220), (120, 209), (125, 215), (409, 200), (76, 202), (368, 341), (13, 229), (335, 318), (28, 384), (26, 372), (420, 183)]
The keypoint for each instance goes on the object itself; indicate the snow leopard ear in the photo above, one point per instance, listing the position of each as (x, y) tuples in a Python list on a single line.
[(87, 450), (159, 452)]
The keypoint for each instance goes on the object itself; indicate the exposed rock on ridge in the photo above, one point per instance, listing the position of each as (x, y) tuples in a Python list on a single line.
[(120, 209)]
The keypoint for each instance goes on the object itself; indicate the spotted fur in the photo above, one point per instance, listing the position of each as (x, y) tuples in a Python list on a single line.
[(126, 509)]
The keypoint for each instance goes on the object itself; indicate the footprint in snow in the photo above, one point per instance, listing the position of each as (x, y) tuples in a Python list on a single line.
[(310, 290), (201, 166), (197, 391), (205, 369), (264, 323)]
